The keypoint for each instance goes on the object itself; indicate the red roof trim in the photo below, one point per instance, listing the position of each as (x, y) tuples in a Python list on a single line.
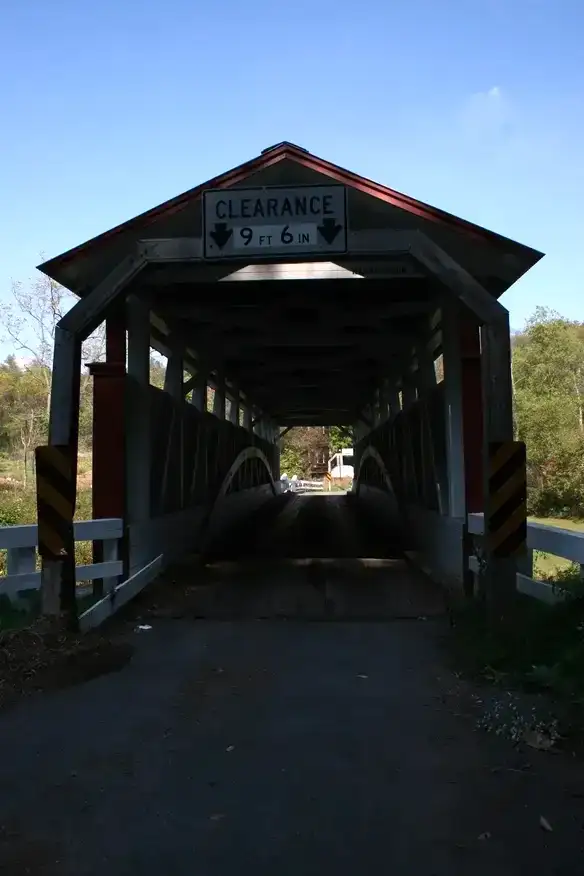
[(312, 162), (396, 199), (230, 178)]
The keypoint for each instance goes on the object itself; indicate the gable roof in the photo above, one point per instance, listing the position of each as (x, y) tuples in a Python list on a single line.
[(58, 267)]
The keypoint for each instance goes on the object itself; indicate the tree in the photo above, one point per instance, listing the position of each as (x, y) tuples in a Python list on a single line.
[(23, 414), (29, 415), (308, 448), (29, 321), (548, 384), (157, 371), (340, 437)]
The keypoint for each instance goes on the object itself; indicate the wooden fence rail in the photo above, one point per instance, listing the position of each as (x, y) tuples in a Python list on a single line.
[(20, 544), (564, 543)]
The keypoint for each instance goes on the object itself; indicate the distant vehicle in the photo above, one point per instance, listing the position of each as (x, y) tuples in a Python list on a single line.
[(340, 465)]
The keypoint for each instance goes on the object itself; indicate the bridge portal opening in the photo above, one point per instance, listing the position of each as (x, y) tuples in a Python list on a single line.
[(290, 292)]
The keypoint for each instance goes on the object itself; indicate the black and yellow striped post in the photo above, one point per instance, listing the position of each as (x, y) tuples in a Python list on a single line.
[(506, 524), (55, 479)]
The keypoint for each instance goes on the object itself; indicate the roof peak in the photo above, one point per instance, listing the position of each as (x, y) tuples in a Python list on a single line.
[(285, 144)]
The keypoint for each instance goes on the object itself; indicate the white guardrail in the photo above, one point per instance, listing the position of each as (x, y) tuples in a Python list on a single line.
[(20, 544), (302, 486), (564, 543)]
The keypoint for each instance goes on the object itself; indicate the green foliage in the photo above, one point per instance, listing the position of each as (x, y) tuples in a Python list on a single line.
[(548, 381), (543, 650), (304, 448), (340, 437), (291, 461)]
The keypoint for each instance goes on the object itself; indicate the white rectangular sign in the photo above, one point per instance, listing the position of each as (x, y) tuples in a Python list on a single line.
[(274, 221)]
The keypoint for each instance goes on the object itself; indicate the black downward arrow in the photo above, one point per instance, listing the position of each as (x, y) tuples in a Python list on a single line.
[(329, 229), (221, 234)]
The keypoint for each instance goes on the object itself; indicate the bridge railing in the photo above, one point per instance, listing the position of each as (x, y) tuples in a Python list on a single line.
[(22, 567), (564, 543)]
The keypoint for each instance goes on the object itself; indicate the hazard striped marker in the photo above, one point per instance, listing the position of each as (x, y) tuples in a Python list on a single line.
[(55, 501), (507, 499), (55, 477)]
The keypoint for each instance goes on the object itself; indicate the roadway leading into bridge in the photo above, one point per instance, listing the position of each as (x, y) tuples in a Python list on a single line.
[(308, 525), (243, 745), (312, 557), (272, 747)]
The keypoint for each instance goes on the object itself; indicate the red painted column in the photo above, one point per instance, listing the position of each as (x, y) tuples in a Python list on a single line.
[(108, 476), (472, 413)]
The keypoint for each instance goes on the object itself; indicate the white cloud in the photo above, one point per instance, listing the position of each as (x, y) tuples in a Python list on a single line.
[(487, 117)]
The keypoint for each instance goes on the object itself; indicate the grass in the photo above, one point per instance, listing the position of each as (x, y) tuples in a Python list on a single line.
[(541, 651), (549, 566)]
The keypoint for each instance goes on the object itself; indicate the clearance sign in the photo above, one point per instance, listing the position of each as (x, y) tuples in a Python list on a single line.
[(298, 220)]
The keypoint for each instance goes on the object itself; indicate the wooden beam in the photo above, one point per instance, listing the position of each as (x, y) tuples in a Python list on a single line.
[(332, 312), (90, 311), (457, 279), (202, 337), (390, 242)]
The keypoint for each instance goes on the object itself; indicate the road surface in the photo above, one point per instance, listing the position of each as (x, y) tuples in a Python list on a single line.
[(278, 747)]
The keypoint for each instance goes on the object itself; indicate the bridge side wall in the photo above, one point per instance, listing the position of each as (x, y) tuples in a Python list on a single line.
[(191, 453), (413, 448)]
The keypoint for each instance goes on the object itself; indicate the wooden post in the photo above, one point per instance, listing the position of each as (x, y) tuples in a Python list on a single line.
[(55, 473), (219, 398), (138, 419), (58, 575), (499, 572), (108, 433), (235, 400), (200, 390), (454, 403)]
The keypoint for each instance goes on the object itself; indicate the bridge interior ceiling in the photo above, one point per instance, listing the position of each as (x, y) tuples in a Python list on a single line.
[(304, 351)]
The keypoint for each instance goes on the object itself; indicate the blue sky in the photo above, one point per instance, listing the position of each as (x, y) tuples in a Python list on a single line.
[(475, 106)]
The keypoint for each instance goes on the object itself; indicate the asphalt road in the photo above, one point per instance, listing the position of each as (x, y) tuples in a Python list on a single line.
[(278, 747)]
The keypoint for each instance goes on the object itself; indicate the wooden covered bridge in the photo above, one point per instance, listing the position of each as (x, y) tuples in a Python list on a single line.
[(301, 294)]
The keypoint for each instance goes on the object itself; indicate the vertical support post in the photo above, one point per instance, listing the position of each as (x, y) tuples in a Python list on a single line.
[(387, 400), (108, 458), (110, 553), (454, 404), (58, 575), (426, 375), (408, 390), (199, 397), (500, 572), (219, 399), (173, 385), (235, 402), (472, 411), (173, 378), (138, 422), (247, 416), (393, 401), (375, 408)]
